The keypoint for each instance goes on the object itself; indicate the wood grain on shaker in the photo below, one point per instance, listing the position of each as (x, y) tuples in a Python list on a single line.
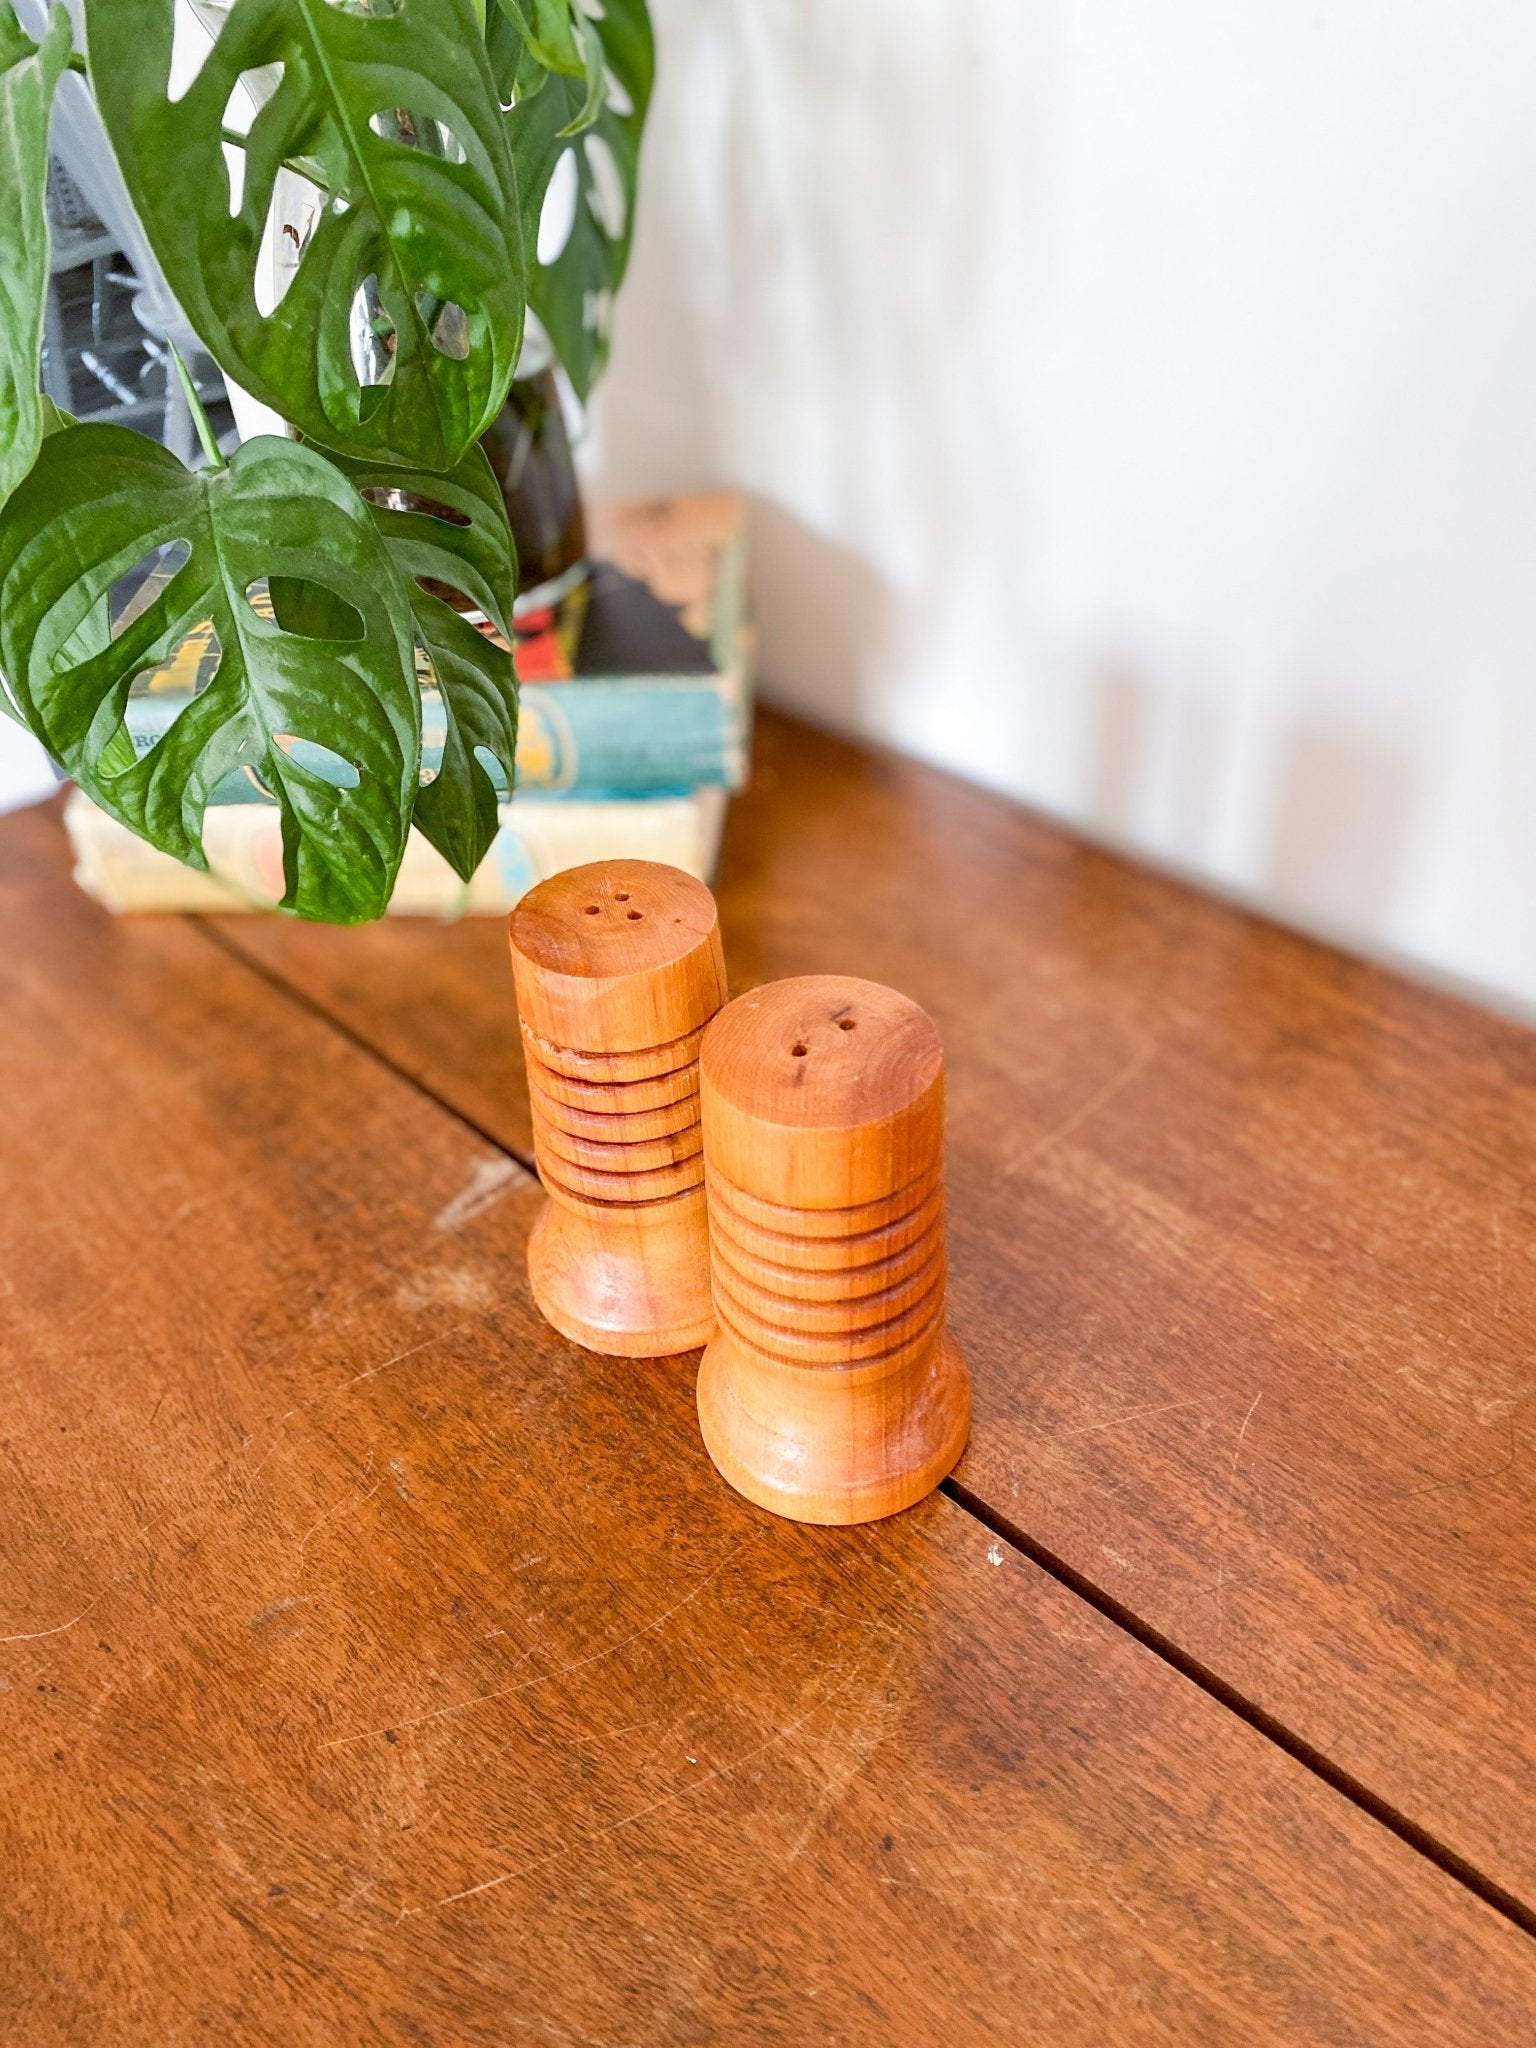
[(1242, 1243), (374, 1665), (617, 968), (832, 1390)]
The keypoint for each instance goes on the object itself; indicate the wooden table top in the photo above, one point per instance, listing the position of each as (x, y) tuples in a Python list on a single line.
[(375, 1665)]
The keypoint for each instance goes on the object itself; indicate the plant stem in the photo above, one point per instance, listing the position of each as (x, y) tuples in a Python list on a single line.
[(307, 168), (200, 418)]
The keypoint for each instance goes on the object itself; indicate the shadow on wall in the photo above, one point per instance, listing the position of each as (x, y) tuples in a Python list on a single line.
[(826, 621), (1341, 828), (1310, 819), (1155, 761)]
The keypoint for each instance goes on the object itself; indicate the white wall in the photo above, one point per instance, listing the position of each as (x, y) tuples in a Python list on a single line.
[(1141, 400)]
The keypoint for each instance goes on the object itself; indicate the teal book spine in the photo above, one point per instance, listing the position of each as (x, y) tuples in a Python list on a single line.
[(579, 740)]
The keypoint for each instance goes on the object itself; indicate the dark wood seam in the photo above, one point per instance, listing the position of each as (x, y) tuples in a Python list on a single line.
[(1408, 1831), (1351, 1788), (308, 1004)]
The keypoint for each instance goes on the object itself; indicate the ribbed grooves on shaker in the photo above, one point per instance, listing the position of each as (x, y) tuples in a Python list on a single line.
[(622, 1155), (643, 1063), (906, 1334), (840, 1315), (604, 1123), (850, 1220), (868, 1295), (798, 1281), (574, 1198), (658, 1091), (843, 1239), (615, 1191), (607, 1149)]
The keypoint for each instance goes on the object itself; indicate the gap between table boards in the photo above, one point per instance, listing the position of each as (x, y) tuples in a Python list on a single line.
[(1359, 1794)]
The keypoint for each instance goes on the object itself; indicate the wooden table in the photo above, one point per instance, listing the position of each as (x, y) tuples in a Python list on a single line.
[(376, 1666)]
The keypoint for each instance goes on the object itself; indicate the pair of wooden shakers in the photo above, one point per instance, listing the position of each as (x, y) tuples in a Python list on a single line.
[(764, 1177)]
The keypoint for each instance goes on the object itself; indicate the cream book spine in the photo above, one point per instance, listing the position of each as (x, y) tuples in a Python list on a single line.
[(243, 843)]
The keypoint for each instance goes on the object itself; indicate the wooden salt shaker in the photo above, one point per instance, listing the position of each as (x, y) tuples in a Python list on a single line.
[(618, 969), (832, 1390)]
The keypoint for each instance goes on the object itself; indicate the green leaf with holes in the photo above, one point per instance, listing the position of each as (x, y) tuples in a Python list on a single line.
[(573, 294), (450, 533), (332, 727), (537, 37), (29, 72), (428, 209), (93, 630), (550, 32)]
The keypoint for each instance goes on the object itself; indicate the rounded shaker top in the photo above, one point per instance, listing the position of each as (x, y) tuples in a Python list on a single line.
[(823, 1091), (617, 956)]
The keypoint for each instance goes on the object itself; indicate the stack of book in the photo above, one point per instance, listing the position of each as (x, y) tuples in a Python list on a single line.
[(633, 730)]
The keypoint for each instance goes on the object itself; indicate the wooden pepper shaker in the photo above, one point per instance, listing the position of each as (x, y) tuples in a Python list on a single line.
[(832, 1390), (618, 969)]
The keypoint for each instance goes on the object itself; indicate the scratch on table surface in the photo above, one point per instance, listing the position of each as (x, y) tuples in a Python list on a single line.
[(668, 1723), (220, 1468), (1470, 1478), (353, 1501), (488, 1181), (384, 1364), (109, 1686), (1497, 1407), (38, 1635), (142, 1529), (311, 1322), (630, 1820), (1079, 1116), (854, 1733), (329, 1393), (1114, 1421), (825, 1799), (481, 1699), (1222, 1580), (969, 1897), (358, 1892), (834, 1789), (275, 1446), (562, 2035)]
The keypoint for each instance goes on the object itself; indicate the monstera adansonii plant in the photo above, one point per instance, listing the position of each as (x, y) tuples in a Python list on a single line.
[(426, 133)]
